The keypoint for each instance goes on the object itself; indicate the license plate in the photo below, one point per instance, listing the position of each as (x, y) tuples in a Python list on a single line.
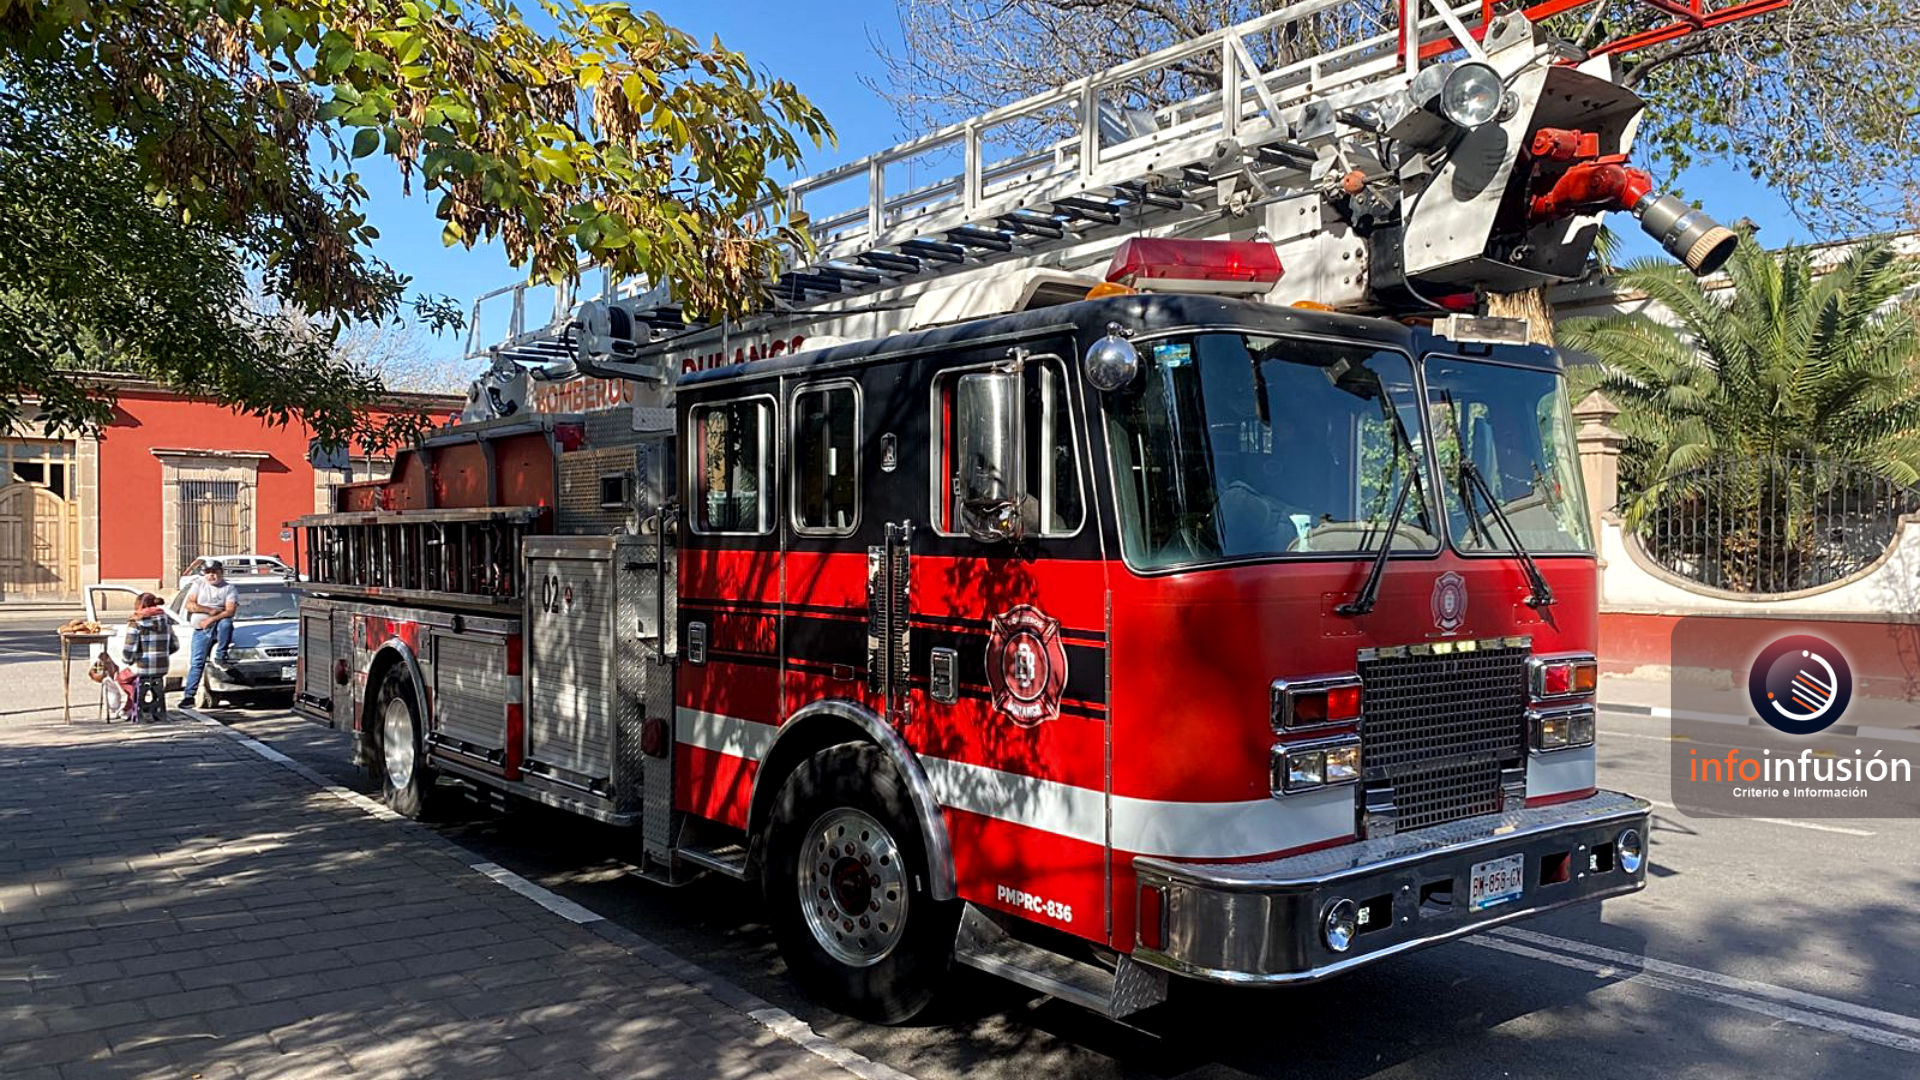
[(1496, 882), (287, 670)]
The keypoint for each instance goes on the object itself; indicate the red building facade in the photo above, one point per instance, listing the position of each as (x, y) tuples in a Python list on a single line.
[(170, 478)]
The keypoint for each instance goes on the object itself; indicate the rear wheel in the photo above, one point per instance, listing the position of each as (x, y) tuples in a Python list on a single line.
[(845, 881), (406, 782)]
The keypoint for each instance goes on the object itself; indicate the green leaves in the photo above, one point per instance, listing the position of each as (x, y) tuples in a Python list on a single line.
[(1807, 353), (211, 113)]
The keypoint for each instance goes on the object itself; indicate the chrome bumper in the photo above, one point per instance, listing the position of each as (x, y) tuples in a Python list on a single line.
[(1259, 923)]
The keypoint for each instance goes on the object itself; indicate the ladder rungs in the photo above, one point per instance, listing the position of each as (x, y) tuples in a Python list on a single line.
[(936, 249), (887, 260), (974, 236), (1104, 212)]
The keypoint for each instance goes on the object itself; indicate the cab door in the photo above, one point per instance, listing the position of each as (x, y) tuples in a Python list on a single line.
[(1009, 627)]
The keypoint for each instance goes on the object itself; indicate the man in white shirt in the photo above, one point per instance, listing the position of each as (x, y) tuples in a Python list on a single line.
[(211, 603)]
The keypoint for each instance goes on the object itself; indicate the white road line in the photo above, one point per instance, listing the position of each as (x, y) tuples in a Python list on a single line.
[(1778, 1011), (1812, 825), (1661, 712), (775, 1019), (545, 897), (1732, 983)]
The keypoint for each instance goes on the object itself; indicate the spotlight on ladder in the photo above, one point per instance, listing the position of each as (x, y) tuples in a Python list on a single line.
[(1445, 100)]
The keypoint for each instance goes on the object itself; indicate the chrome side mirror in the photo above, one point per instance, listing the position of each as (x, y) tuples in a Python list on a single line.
[(993, 468), (1111, 362)]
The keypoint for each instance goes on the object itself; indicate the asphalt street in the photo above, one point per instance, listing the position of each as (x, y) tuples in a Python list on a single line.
[(1759, 949)]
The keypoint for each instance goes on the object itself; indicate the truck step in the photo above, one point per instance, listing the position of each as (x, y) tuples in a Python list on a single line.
[(984, 944), (728, 858)]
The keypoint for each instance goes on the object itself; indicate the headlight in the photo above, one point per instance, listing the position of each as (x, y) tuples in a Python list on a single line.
[(1306, 770), (1445, 100), (1340, 924), (1301, 767), (243, 654), (1471, 95), (1629, 850), (1560, 729)]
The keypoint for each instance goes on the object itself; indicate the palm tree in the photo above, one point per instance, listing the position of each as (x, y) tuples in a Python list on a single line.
[(1785, 364), (1763, 399)]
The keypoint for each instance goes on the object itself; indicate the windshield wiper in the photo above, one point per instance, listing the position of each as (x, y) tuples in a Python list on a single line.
[(1363, 600), (1369, 593), (1541, 596)]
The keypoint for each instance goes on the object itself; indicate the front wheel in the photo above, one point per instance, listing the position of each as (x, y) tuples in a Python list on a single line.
[(845, 881), (407, 783)]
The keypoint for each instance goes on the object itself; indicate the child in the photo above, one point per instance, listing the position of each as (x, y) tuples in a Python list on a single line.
[(118, 686), (150, 641)]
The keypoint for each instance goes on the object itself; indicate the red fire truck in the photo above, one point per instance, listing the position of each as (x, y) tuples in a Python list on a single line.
[(1085, 627)]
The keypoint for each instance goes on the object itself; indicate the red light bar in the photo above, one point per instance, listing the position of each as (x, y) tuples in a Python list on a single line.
[(1243, 267)]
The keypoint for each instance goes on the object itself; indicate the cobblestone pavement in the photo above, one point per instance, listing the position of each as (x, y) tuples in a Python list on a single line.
[(173, 904)]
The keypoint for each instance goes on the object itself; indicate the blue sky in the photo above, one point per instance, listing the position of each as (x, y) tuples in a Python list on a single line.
[(825, 48)]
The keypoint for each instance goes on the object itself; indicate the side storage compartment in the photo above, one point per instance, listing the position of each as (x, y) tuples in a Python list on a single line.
[(315, 691), (474, 694), (570, 630), (599, 694)]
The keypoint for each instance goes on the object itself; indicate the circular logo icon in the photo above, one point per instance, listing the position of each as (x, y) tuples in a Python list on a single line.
[(1026, 665), (1800, 684), (1449, 602)]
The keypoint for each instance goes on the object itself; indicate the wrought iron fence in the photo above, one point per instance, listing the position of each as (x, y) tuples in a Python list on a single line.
[(1769, 525)]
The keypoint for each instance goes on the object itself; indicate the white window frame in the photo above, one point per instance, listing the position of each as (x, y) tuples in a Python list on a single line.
[(940, 490), (825, 386), (768, 471)]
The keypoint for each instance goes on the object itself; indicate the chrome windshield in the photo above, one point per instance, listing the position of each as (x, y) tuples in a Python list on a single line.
[(1231, 445)]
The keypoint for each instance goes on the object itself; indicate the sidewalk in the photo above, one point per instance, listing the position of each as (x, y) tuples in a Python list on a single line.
[(41, 609), (173, 904)]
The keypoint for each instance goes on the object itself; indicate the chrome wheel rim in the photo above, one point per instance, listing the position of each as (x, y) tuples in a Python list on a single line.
[(853, 887), (396, 743)]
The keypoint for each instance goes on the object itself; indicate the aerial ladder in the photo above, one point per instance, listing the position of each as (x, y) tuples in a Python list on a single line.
[(1460, 150)]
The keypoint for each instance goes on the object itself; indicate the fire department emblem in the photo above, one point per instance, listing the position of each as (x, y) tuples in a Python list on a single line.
[(1026, 665), (1449, 602)]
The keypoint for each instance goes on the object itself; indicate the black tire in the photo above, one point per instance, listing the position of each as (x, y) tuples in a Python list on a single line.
[(406, 783), (889, 970)]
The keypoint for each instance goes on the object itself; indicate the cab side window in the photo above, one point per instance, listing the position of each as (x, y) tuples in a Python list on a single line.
[(826, 459), (1052, 460), (732, 466)]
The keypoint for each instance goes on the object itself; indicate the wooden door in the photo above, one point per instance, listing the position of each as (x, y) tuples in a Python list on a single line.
[(39, 542)]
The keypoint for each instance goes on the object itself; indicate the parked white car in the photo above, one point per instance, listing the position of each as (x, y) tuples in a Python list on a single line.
[(246, 565), (266, 633)]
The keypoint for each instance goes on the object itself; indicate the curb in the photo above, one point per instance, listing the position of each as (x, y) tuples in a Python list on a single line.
[(780, 1022), (1661, 712)]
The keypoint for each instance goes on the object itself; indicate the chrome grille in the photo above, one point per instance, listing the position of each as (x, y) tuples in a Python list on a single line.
[(1446, 793), (1438, 728)]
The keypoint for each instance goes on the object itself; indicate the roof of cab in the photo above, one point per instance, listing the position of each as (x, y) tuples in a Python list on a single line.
[(1142, 314)]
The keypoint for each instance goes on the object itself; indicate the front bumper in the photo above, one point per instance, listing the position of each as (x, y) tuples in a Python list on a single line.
[(1260, 923), (244, 675)]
